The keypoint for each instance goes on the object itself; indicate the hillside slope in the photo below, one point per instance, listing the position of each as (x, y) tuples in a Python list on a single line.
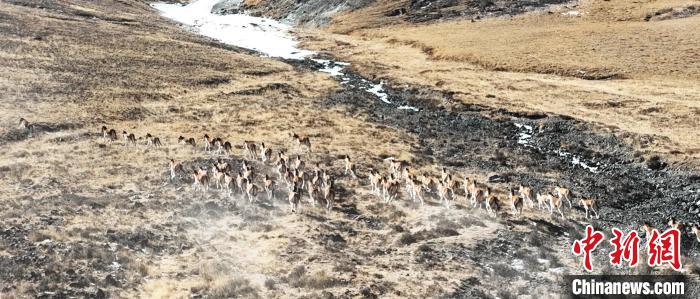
[(620, 64), (372, 13)]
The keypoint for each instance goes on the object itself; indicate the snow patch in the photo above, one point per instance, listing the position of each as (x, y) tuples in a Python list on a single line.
[(525, 135), (264, 35), (335, 68), (571, 13), (404, 107), (378, 90), (115, 266), (518, 264)]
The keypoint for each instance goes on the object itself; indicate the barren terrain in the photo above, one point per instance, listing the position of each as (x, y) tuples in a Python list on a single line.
[(87, 218)]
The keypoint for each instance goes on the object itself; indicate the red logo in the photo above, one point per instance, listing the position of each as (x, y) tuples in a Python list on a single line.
[(665, 248), (625, 249), (662, 248), (590, 242)]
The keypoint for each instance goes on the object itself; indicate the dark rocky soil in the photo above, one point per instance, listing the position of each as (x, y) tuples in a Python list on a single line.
[(64, 268), (17, 134), (320, 12), (429, 10), (673, 13), (477, 139), (314, 12)]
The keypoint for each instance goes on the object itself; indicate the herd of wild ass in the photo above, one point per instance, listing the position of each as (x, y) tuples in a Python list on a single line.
[(320, 187), (318, 184)]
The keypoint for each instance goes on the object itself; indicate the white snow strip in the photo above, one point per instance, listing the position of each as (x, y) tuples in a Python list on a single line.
[(577, 161), (572, 13), (518, 264), (525, 135), (260, 34), (378, 90), (116, 266), (409, 108), (559, 270), (335, 68), (264, 35), (334, 71)]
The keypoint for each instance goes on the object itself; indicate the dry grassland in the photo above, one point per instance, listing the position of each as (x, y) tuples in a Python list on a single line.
[(87, 219), (83, 218), (530, 63)]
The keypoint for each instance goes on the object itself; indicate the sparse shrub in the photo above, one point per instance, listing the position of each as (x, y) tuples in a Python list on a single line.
[(344, 267), (38, 236), (655, 163), (326, 295), (438, 232), (505, 293), (270, 283), (505, 271), (320, 280), (644, 269), (210, 271), (434, 290), (141, 267), (499, 157), (469, 221), (423, 247), (294, 277), (575, 232), (543, 253), (607, 269), (530, 261), (260, 227), (554, 262), (397, 228), (447, 224), (405, 239), (525, 289), (469, 288), (534, 239), (395, 216), (233, 288), (485, 3)]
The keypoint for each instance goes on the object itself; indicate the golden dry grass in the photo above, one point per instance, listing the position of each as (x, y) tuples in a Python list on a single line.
[(528, 63), (586, 46)]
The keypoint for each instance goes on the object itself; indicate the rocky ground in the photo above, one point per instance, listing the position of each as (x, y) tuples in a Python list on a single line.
[(318, 13), (486, 140)]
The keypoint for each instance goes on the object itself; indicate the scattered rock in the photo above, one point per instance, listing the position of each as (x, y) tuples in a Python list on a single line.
[(655, 163), (225, 7)]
